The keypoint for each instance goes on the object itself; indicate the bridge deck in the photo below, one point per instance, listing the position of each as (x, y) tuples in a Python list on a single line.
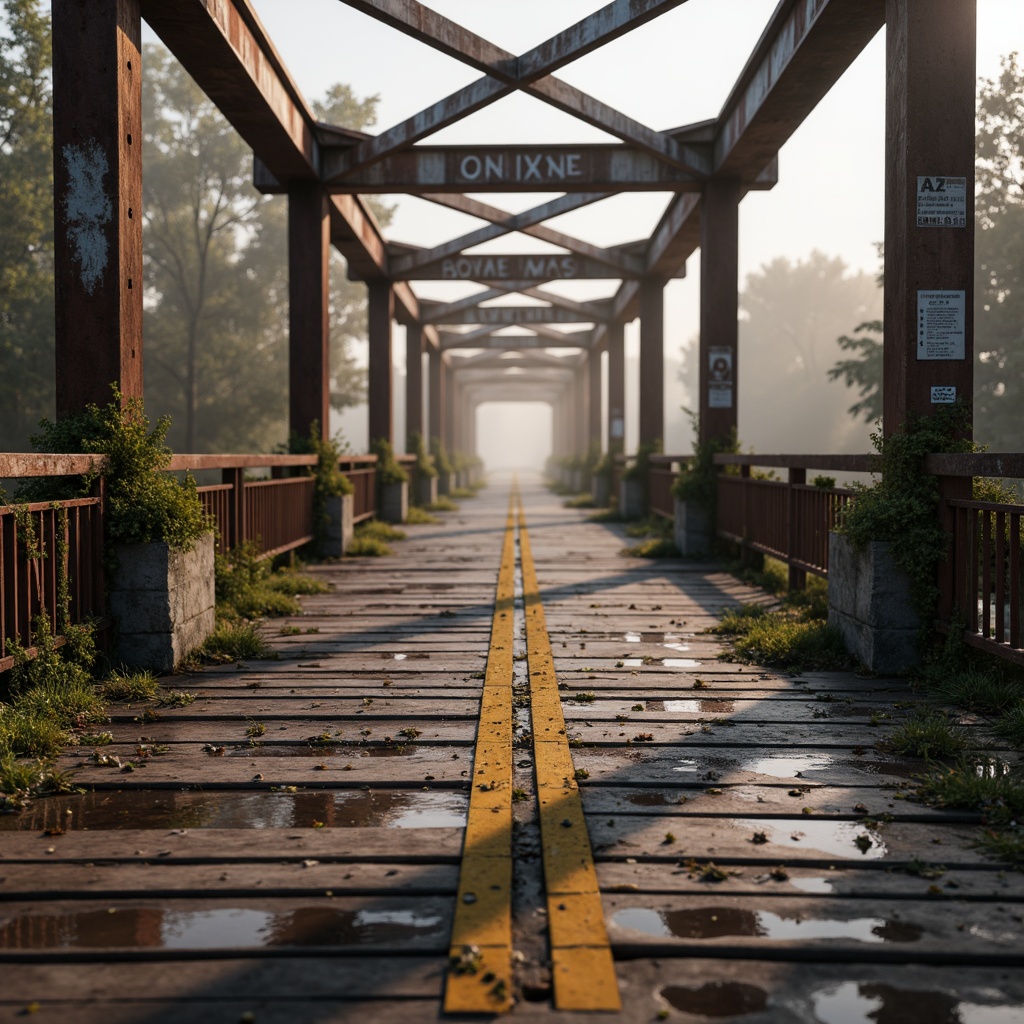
[(311, 872)]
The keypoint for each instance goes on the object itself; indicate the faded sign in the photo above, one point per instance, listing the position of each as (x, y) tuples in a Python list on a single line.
[(941, 202), (941, 324)]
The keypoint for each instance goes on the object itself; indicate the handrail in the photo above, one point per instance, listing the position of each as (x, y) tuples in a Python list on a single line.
[(993, 464), (841, 463)]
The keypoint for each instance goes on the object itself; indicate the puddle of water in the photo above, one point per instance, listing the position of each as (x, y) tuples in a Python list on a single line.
[(522, 719), (222, 928), (681, 663), (870, 1003), (817, 886), (399, 751), (677, 647), (838, 838), (398, 657), (686, 765), (345, 809), (632, 638), (787, 767), (716, 999), (726, 922), (648, 799), (697, 707)]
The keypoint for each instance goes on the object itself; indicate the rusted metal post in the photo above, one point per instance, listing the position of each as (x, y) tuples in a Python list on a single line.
[(435, 369), (928, 351), (581, 395), (652, 359), (448, 407), (413, 379), (594, 398), (309, 253), (616, 388), (381, 302), (97, 184), (719, 308), (929, 207), (797, 577)]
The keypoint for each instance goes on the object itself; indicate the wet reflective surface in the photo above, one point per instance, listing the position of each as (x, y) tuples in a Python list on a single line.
[(122, 810), (716, 999), (711, 706), (219, 928), (787, 767), (841, 838), (733, 922), (871, 1003)]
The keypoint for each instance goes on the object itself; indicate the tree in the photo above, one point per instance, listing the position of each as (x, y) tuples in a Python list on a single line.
[(217, 276), (26, 223), (790, 316)]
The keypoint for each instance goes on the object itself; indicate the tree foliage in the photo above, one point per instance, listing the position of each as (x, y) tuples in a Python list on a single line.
[(26, 223)]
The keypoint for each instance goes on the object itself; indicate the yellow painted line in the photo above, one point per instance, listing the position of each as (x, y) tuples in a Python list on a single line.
[(583, 970), (481, 981)]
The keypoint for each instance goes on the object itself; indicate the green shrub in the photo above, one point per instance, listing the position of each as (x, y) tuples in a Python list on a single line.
[(65, 702), (425, 467), (288, 581), (330, 481), (440, 455), (654, 547), (698, 478), (367, 547), (389, 469), (780, 640), (983, 690), (143, 502)]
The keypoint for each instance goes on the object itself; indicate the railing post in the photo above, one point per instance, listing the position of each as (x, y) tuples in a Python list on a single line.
[(236, 507), (797, 577), (744, 550)]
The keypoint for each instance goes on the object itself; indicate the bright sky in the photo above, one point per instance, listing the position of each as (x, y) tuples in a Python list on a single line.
[(676, 70)]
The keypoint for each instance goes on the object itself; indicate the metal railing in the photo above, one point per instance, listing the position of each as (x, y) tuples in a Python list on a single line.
[(980, 582), (51, 555), (661, 475)]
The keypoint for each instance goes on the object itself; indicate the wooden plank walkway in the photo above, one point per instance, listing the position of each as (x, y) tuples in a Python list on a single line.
[(311, 873)]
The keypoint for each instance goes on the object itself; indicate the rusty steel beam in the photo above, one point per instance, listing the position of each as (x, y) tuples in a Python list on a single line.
[(614, 258), (804, 50), (514, 316), (582, 168), (519, 342), (435, 312), (515, 222), (97, 188), (517, 268), (611, 22), (597, 309)]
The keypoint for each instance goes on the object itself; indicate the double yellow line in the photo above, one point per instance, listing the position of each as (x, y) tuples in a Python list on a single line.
[(480, 978)]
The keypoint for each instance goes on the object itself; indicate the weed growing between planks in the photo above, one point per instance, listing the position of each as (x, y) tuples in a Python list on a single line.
[(420, 517)]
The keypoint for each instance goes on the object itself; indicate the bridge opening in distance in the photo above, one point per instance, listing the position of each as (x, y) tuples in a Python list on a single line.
[(514, 435)]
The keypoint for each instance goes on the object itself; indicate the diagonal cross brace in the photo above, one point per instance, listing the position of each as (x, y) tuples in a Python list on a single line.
[(530, 72)]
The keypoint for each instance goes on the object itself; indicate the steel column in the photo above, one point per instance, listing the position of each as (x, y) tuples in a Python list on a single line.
[(652, 359), (97, 181), (435, 368), (309, 332), (594, 398), (381, 300), (413, 379), (719, 308), (616, 388), (930, 96)]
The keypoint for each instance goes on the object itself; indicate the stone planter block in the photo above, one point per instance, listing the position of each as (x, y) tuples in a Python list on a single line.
[(692, 532), (869, 603), (394, 503), (631, 499), (162, 601), (426, 490), (600, 488), (445, 484), (340, 528)]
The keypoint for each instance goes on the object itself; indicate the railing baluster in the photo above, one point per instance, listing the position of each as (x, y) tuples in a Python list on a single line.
[(1000, 595), (1015, 523)]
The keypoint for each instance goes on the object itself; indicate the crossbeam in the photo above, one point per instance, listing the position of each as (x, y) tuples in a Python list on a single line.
[(511, 267), (519, 342), (583, 168), (515, 316), (609, 23)]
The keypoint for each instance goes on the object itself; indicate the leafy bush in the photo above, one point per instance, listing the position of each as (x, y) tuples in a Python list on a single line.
[(389, 469), (420, 517), (425, 467), (440, 455), (698, 478), (143, 502)]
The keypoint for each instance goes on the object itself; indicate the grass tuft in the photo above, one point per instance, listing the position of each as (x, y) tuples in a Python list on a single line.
[(1011, 726), (584, 500), (420, 517), (927, 735), (235, 642), (379, 531), (979, 689), (129, 686), (654, 547), (287, 581), (367, 547), (780, 640), (443, 504)]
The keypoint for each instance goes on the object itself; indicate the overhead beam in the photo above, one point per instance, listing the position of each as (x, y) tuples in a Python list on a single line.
[(804, 50), (583, 168), (506, 343), (519, 268), (609, 23), (614, 258), (514, 222), (514, 316)]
